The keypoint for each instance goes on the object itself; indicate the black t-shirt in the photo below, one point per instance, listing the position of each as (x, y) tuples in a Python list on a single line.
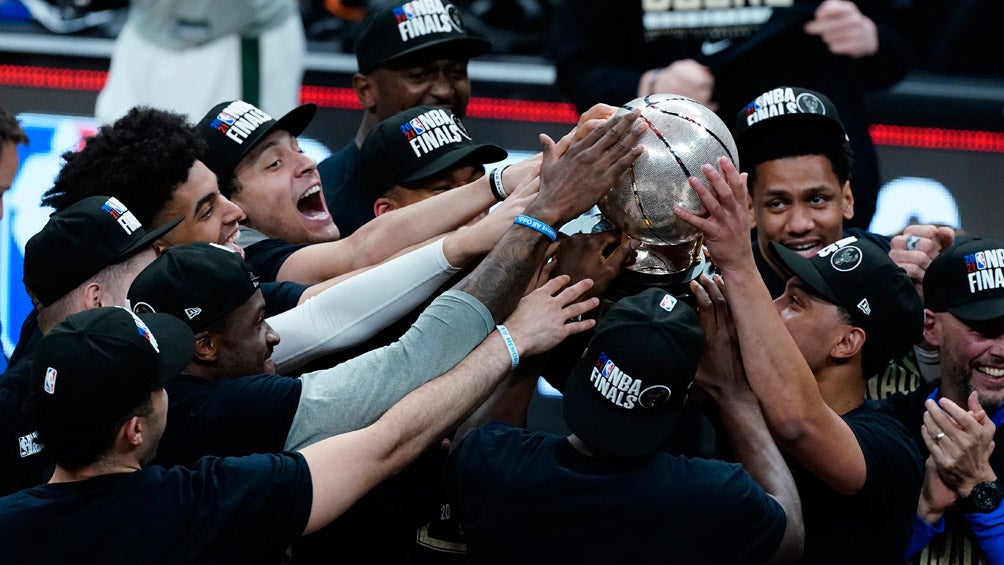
[(265, 257), (874, 524), (343, 190), (281, 296), (22, 463), (533, 498), (230, 417), (235, 510)]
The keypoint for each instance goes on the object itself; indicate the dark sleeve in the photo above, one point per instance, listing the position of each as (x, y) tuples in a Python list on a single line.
[(595, 48), (236, 417), (895, 55), (259, 503), (281, 296), (267, 256)]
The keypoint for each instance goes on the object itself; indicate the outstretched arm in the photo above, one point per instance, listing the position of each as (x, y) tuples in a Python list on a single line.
[(798, 417), (345, 467), (720, 374)]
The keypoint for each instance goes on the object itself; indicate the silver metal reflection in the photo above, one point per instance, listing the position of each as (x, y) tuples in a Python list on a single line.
[(682, 136)]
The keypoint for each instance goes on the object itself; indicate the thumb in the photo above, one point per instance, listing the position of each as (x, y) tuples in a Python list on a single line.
[(945, 236), (624, 252), (547, 146)]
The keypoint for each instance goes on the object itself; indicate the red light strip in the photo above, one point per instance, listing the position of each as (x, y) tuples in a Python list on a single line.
[(506, 109), (937, 138)]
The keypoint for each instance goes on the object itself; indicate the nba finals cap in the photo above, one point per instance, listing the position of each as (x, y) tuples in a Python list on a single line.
[(392, 34), (416, 144), (967, 280), (233, 128), (859, 276), (628, 389), (787, 106), (199, 283), (101, 363), (79, 241)]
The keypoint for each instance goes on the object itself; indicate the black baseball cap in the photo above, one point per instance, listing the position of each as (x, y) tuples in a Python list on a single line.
[(859, 276), (196, 282), (416, 144), (234, 127), (397, 32), (967, 280), (99, 364), (788, 107), (628, 389), (79, 241)]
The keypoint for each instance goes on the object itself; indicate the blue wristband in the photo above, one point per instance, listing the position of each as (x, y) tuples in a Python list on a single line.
[(510, 345), (536, 224)]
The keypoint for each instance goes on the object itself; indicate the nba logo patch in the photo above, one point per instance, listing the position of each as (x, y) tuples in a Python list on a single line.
[(981, 260), (114, 208), (50, 381), (668, 302), (417, 125)]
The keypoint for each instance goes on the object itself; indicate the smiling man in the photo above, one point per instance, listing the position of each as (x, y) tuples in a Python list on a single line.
[(401, 65)]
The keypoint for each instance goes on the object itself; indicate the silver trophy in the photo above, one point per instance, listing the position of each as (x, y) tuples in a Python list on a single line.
[(682, 136)]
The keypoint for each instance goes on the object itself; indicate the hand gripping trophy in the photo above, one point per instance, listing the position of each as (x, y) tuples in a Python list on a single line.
[(682, 136)]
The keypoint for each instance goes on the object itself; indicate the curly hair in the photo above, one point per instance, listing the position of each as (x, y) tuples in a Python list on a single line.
[(140, 159), (779, 142)]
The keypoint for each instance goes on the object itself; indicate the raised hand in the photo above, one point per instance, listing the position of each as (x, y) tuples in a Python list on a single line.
[(844, 29), (540, 321), (573, 182), (720, 370), (727, 226)]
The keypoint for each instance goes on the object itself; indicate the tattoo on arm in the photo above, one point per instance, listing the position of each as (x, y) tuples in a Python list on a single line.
[(499, 280)]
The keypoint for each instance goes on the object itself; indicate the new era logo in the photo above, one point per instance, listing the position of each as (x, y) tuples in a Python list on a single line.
[(865, 307), (192, 312)]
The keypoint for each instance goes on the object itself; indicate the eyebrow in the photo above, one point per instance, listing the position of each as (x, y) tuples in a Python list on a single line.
[(256, 152), (205, 200)]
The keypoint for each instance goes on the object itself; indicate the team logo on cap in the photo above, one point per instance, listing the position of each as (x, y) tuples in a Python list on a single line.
[(668, 302), (142, 308), (122, 215), (432, 130), (422, 17), (654, 396), (238, 120), (145, 332), (781, 101), (809, 103), (50, 381), (846, 258), (614, 384), (985, 270)]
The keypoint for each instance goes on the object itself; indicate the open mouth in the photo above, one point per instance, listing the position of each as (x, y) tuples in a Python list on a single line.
[(807, 249), (231, 243), (311, 204)]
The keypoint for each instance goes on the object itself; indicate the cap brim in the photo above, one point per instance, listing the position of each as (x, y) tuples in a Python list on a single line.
[(175, 340), (456, 47), (979, 311), (479, 154), (590, 417), (296, 120), (150, 237), (803, 268)]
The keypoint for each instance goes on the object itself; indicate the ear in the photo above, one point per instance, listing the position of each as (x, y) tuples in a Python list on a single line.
[(366, 90), (850, 343), (131, 432), (932, 329), (848, 196), (383, 205), (91, 295), (160, 245), (207, 347)]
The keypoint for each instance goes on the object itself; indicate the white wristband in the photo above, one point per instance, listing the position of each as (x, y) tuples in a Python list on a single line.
[(509, 345)]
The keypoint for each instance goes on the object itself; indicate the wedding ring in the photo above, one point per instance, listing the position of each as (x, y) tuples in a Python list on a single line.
[(912, 241), (938, 436)]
